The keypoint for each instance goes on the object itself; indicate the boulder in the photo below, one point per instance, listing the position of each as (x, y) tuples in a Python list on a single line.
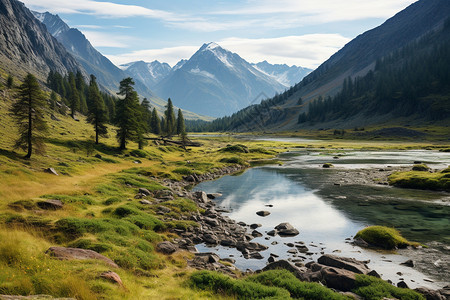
[(286, 229), (112, 276), (285, 265), (408, 263), (349, 264), (50, 204), (210, 239), (263, 213), (339, 279), (64, 253), (430, 294), (256, 233), (51, 171), (166, 247), (402, 284), (214, 195), (201, 197), (145, 202)]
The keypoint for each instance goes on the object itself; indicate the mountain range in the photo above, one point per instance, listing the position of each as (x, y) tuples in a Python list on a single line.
[(411, 36), (215, 81)]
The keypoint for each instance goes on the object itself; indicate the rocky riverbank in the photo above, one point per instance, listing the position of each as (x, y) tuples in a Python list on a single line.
[(216, 229)]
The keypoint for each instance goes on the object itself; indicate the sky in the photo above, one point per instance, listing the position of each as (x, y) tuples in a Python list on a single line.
[(294, 32)]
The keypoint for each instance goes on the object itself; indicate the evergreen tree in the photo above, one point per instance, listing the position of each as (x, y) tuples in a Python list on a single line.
[(97, 114), (74, 99), (28, 112), (53, 100), (127, 113), (155, 124), (82, 92), (146, 114), (10, 82), (170, 122), (180, 123)]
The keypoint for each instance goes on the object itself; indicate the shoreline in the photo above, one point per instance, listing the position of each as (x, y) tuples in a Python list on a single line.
[(216, 229)]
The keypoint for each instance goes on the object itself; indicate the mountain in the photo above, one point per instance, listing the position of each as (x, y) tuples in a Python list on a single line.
[(423, 26), (149, 73), (27, 46), (286, 75), (216, 82)]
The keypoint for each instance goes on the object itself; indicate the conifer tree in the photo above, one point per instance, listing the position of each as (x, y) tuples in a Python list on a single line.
[(53, 100), (180, 123), (127, 113), (10, 82), (74, 99), (28, 112), (97, 114), (170, 122), (155, 124)]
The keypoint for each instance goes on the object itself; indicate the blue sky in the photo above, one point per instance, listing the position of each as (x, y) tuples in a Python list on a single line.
[(300, 32)]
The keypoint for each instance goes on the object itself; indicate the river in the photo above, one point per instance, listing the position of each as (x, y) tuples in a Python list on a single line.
[(328, 207)]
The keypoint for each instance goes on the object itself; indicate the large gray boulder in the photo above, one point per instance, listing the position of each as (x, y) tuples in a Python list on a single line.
[(166, 247), (64, 253), (349, 264), (286, 229)]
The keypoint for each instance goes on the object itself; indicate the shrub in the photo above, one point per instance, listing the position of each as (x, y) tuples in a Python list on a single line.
[(183, 171), (372, 288), (383, 237), (233, 160), (239, 148), (138, 153)]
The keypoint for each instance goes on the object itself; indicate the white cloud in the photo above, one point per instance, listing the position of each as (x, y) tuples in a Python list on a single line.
[(88, 26), (169, 55), (321, 10), (306, 50), (103, 9), (101, 39)]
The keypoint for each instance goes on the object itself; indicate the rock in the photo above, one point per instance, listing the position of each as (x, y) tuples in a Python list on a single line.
[(228, 242), (327, 165), (241, 223), (349, 264), (211, 221), (430, 294), (339, 279), (145, 202), (254, 226), (302, 248), (189, 178), (51, 171), (144, 192), (272, 232), (112, 276), (201, 197), (256, 255), (374, 274), (408, 263), (360, 243), (230, 260), (256, 233), (286, 229), (210, 239), (271, 259), (402, 284), (285, 265), (98, 156), (50, 204), (214, 195), (64, 253), (54, 118), (166, 247), (263, 213)]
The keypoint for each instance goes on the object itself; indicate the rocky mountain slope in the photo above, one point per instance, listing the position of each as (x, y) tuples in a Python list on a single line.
[(27, 46), (149, 73), (286, 75), (354, 60)]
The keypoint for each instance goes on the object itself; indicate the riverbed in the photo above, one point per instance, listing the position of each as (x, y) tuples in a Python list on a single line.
[(328, 207)]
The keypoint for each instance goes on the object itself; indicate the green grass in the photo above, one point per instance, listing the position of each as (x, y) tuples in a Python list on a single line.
[(384, 237), (372, 288), (422, 180)]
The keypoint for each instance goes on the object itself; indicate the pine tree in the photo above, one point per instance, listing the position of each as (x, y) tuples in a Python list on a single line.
[(170, 121), (28, 112), (180, 123), (146, 114), (127, 113), (74, 99), (155, 124), (97, 114), (81, 88), (10, 82), (53, 100)]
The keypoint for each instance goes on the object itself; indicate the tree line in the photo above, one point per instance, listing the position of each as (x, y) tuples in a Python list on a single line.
[(132, 118)]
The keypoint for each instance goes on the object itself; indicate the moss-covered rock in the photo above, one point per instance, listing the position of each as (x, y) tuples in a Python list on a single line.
[(384, 237), (422, 180), (420, 167)]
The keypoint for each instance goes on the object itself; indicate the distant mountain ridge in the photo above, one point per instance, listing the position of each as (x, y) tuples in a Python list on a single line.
[(27, 46), (149, 73), (286, 75), (355, 60)]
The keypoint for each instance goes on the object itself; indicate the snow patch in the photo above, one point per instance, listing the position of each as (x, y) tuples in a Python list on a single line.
[(197, 71)]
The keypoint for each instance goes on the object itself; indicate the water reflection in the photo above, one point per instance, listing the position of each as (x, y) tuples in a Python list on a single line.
[(304, 195)]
